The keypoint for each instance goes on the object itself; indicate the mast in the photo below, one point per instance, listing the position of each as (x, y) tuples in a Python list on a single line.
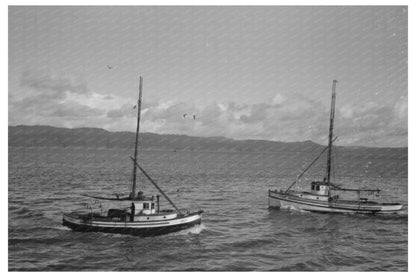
[(139, 105), (331, 127)]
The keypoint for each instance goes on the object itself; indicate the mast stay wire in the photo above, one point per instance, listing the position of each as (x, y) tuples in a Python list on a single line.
[(310, 165)]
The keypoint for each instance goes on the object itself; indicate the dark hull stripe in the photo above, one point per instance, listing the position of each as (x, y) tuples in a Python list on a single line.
[(142, 232)]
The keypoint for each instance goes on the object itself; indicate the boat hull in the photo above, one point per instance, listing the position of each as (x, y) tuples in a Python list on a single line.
[(281, 200), (143, 229)]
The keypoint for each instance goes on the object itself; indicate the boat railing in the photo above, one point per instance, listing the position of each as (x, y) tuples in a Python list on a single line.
[(356, 190)]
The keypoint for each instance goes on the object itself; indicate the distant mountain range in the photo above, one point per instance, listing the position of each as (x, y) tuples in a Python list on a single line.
[(47, 136)]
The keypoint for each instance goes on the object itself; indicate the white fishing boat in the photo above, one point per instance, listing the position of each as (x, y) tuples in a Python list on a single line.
[(326, 196), (136, 214)]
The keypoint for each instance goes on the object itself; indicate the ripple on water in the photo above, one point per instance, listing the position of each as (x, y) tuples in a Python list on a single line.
[(239, 232)]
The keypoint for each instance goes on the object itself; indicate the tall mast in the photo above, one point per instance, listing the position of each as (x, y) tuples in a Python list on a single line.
[(331, 127), (139, 105)]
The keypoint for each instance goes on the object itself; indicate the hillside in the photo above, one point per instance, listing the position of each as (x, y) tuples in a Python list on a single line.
[(47, 136), (30, 136)]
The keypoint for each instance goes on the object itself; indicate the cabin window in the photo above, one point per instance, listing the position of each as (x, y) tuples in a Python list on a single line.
[(317, 187), (313, 187), (145, 206)]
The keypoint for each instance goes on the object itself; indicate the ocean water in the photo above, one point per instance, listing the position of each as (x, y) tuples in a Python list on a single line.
[(238, 233)]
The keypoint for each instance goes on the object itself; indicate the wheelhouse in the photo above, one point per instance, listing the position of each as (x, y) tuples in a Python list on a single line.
[(319, 188), (144, 207)]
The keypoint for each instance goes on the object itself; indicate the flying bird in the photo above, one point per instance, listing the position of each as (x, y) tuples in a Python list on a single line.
[(109, 67)]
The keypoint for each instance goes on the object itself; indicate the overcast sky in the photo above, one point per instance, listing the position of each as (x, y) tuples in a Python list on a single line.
[(245, 72)]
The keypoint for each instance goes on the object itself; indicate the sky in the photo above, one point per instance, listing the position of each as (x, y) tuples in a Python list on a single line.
[(244, 72)]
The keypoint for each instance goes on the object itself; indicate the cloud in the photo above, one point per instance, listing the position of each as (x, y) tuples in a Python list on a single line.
[(115, 114), (126, 110), (346, 111), (50, 98), (278, 99), (258, 112), (291, 118), (286, 116), (235, 120), (73, 109), (52, 84), (170, 110), (373, 124), (400, 108)]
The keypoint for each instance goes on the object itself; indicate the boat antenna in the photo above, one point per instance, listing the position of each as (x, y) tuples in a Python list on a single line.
[(154, 183), (331, 127), (139, 105)]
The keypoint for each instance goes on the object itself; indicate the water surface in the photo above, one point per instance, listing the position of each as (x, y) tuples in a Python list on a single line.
[(238, 233)]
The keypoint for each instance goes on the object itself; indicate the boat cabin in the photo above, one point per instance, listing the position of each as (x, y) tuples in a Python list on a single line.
[(144, 207), (319, 191), (145, 211), (320, 188)]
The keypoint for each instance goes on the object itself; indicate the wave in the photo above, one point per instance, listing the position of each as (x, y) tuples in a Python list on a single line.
[(34, 240)]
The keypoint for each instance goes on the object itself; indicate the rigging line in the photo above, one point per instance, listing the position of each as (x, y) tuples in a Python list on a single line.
[(288, 167), (154, 183), (303, 172)]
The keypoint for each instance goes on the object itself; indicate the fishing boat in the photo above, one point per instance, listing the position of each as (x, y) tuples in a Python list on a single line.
[(326, 196), (136, 213)]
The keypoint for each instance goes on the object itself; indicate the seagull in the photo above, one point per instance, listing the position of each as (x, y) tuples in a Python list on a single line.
[(184, 115), (109, 67)]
